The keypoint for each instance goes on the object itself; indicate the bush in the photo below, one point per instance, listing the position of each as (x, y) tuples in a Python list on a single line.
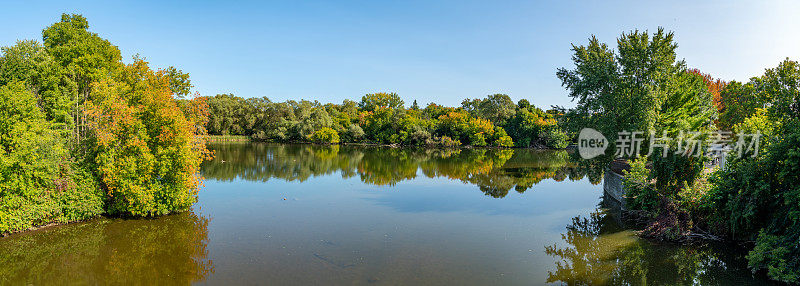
[(37, 184), (777, 255), (353, 133), (147, 153), (326, 135), (555, 138), (675, 171), (640, 192), (443, 141), (759, 199)]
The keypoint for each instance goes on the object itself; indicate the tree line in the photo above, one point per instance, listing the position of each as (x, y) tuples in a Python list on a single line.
[(84, 134), (382, 118)]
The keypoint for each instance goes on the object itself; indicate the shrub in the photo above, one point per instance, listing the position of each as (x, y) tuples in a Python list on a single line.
[(353, 133), (759, 199), (640, 192), (37, 184), (326, 135), (555, 138), (146, 152)]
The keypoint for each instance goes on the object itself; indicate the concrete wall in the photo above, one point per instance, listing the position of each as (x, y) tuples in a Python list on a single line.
[(612, 186)]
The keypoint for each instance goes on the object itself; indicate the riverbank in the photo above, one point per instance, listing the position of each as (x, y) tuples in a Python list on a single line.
[(243, 138)]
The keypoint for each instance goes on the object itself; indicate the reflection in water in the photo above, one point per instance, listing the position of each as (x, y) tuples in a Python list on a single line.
[(494, 171), (166, 250), (600, 252), (332, 231)]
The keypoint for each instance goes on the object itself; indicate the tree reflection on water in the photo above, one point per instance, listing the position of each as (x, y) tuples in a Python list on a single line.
[(597, 251), (494, 171), (110, 251)]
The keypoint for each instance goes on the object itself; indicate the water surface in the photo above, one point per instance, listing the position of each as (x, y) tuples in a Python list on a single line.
[(339, 215)]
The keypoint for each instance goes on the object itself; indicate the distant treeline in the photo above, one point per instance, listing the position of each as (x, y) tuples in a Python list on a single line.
[(382, 118)]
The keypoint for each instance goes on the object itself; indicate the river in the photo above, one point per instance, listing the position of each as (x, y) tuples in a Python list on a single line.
[(284, 214)]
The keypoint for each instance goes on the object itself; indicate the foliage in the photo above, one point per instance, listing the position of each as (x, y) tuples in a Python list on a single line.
[(759, 198), (373, 101), (758, 123), (474, 131), (83, 134), (640, 87), (87, 56), (531, 126), (326, 135), (715, 87), (640, 191), (779, 87), (380, 118), (497, 108), (674, 171), (777, 255), (38, 185), (146, 151), (740, 101)]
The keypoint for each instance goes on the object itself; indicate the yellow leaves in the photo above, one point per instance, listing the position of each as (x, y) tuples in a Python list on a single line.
[(148, 149)]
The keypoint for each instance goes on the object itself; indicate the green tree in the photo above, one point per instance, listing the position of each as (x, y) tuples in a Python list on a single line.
[(30, 63), (758, 198), (37, 184), (497, 108), (373, 101), (640, 87)]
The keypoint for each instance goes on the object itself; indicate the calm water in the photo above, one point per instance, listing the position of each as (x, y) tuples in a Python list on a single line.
[(333, 215)]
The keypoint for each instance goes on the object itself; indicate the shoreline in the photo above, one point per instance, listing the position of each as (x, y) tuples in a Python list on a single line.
[(246, 139)]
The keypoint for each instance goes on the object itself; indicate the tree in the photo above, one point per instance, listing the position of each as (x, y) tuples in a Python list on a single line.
[(84, 53), (146, 151), (780, 87), (373, 101), (497, 108), (533, 127), (739, 102), (37, 184), (758, 198), (715, 87), (637, 88), (326, 135), (30, 63)]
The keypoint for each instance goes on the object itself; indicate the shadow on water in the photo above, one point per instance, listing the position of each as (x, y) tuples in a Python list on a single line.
[(494, 171), (167, 250), (598, 250)]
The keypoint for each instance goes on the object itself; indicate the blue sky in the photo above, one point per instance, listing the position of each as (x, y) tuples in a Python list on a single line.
[(441, 51)]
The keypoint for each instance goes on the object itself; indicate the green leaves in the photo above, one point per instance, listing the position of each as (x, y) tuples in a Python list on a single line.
[(131, 151), (374, 101), (639, 87), (84, 54), (36, 180)]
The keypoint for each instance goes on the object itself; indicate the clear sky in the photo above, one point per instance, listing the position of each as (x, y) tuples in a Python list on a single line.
[(441, 51)]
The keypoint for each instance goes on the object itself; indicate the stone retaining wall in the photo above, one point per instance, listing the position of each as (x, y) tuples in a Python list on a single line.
[(612, 185)]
